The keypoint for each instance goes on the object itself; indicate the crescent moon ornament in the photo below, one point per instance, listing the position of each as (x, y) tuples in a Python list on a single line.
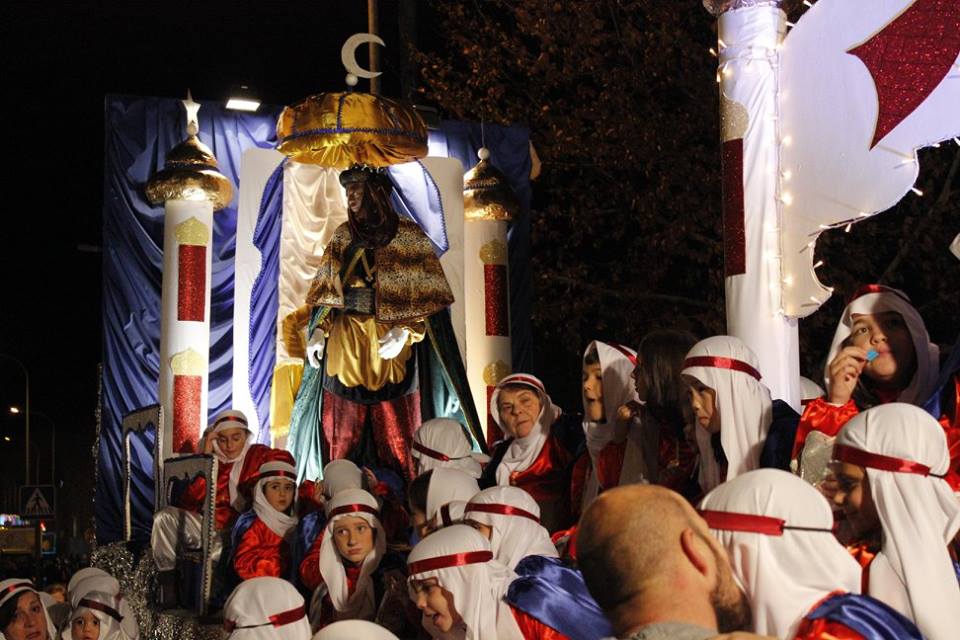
[(348, 55)]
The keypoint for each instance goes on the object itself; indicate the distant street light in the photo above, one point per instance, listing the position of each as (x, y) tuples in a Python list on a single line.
[(6, 438), (26, 444), (14, 410)]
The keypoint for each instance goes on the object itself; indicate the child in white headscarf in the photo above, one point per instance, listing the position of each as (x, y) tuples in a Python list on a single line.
[(340, 566), (510, 519), (890, 463), (541, 446), (444, 443), (266, 609), (265, 548), (778, 533), (97, 615)]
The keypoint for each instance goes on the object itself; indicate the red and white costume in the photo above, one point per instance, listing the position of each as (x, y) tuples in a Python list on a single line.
[(728, 366), (904, 452), (14, 588), (827, 418), (265, 548), (540, 462), (443, 443), (341, 590), (462, 562), (266, 609), (514, 518), (235, 478), (778, 533)]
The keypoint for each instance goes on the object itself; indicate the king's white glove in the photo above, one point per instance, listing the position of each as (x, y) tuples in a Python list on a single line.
[(315, 348), (391, 344)]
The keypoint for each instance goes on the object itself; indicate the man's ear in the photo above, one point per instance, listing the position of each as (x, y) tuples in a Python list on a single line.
[(697, 553)]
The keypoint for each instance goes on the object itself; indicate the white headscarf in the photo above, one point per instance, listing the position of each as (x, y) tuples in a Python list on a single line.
[(461, 560), (728, 366), (784, 571), (449, 485), (351, 503), (442, 443), (280, 523), (231, 419), (514, 516), (522, 452), (451, 513), (879, 299), (920, 515), (341, 474), (90, 579), (14, 588), (266, 608), (116, 617), (616, 369), (353, 630)]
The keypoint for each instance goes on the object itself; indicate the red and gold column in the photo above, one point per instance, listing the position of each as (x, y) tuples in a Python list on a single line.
[(489, 205), (191, 187)]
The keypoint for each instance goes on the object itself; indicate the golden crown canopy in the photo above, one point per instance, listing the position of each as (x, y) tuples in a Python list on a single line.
[(190, 172), (340, 130), (487, 194)]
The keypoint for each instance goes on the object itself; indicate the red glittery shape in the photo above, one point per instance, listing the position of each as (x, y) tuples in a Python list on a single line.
[(186, 413), (494, 434), (734, 236), (909, 57), (192, 283), (495, 299)]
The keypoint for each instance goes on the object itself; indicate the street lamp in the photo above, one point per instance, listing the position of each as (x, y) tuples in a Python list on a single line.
[(14, 410), (26, 404), (53, 443)]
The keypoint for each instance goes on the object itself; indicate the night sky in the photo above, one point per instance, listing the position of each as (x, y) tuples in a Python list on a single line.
[(59, 62)]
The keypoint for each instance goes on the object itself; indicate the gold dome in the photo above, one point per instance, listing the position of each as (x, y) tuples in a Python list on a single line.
[(487, 194), (339, 130), (190, 172)]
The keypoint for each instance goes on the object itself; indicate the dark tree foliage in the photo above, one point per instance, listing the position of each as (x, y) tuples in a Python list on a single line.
[(622, 105)]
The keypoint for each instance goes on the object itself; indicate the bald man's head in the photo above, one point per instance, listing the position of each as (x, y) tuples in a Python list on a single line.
[(629, 540)]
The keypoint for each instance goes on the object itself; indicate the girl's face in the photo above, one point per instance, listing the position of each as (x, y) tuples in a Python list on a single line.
[(436, 603), (703, 402), (353, 537), (85, 626), (888, 335), (853, 494), (280, 493), (29, 621), (231, 441), (639, 382), (592, 382)]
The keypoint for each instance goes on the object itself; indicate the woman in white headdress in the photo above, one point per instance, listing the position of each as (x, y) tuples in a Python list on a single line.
[(881, 352), (444, 443), (22, 614), (890, 463), (510, 519), (733, 409), (460, 589), (266, 609), (341, 564), (778, 533), (265, 548)]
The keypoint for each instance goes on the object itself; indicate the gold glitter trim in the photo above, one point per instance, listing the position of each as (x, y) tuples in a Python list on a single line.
[(188, 363), (734, 119), (193, 232), (190, 173), (494, 372), (494, 252), (487, 194)]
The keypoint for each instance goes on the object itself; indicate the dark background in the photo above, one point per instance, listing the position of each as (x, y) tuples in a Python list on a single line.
[(621, 103)]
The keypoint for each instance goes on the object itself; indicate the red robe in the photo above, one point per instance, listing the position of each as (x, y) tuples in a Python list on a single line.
[(533, 629), (226, 515), (547, 481), (261, 552), (820, 415)]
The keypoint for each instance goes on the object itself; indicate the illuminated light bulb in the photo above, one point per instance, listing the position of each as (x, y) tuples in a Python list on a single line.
[(718, 77), (818, 265), (916, 191), (788, 281), (791, 24), (807, 3), (935, 145), (721, 43), (787, 199), (786, 141), (847, 228), (787, 174), (957, 140), (824, 226), (727, 70), (713, 52), (863, 214)]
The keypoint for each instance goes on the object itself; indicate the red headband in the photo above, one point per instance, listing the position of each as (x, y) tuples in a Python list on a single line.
[(876, 288), (444, 562), (278, 620), (629, 356), (445, 517), (500, 509), (430, 452), (223, 419), (16, 586), (354, 508), (749, 523), (519, 378), (278, 473), (718, 362), (845, 453), (99, 606)]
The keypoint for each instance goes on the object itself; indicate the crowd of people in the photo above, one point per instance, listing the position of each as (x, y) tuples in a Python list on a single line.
[(683, 502)]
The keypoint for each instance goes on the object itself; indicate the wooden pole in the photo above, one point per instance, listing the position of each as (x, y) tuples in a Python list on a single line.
[(373, 26)]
